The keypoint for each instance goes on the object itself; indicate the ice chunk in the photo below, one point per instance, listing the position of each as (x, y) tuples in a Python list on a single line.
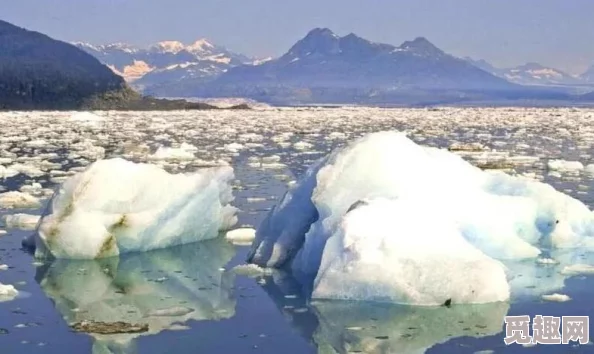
[(117, 206), (243, 235), (21, 221), (234, 147), (577, 269), (252, 270), (556, 297), (359, 254), (7, 172), (402, 189), (3, 267), (175, 311), (589, 169), (18, 200), (86, 117), (168, 153), (7, 292), (466, 147), (562, 165)]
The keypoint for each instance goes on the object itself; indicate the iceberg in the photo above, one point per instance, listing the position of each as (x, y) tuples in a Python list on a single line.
[(385, 219), (117, 206)]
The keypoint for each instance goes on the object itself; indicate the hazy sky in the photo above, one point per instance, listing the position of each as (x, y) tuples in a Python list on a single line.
[(559, 33)]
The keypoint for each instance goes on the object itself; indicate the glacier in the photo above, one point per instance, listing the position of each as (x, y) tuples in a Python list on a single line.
[(385, 219), (116, 206)]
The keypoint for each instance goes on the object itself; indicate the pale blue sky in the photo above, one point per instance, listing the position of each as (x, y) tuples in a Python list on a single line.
[(559, 33)]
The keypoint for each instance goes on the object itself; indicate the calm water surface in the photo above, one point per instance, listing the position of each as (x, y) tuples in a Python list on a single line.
[(207, 308)]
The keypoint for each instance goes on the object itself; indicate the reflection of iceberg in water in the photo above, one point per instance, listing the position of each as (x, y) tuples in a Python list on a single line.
[(384, 328), (347, 327), (163, 288)]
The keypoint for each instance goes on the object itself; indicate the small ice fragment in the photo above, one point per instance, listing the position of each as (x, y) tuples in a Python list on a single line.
[(562, 165), (18, 200), (21, 221), (171, 312), (242, 235), (302, 145), (252, 270), (577, 269), (178, 327), (546, 261), (556, 297), (7, 292), (3, 267)]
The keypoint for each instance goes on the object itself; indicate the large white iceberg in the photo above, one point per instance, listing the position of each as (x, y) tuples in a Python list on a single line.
[(386, 219), (117, 206)]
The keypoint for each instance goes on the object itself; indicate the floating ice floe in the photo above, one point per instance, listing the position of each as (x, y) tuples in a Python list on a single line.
[(117, 206), (21, 221), (18, 200), (7, 292), (556, 297), (7, 172), (183, 153), (86, 117), (567, 166), (243, 235), (385, 219)]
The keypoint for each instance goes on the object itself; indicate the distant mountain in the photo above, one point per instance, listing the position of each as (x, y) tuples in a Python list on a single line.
[(166, 62), (529, 74), (41, 73), (588, 75), (326, 67), (38, 72)]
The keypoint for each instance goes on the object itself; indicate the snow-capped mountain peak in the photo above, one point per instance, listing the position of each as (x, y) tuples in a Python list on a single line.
[(173, 47), (200, 45)]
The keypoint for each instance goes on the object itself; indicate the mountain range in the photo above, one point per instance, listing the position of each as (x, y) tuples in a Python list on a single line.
[(40, 73), (325, 67), (167, 61), (535, 74)]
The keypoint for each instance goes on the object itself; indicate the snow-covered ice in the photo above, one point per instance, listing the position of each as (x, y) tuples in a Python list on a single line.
[(7, 292), (556, 297), (18, 200), (117, 206), (21, 221), (562, 165), (243, 235), (385, 219), (577, 269)]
